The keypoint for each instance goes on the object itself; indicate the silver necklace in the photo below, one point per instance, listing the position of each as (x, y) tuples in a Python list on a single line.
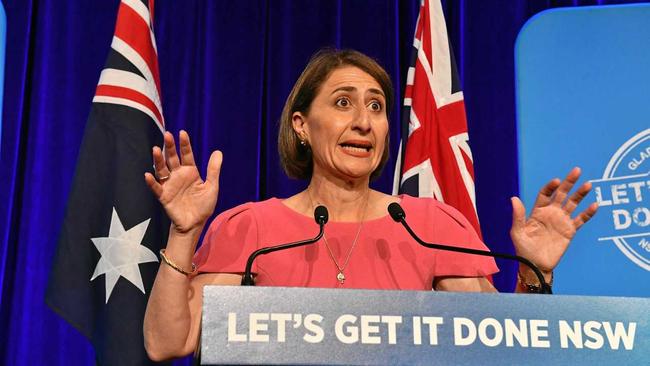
[(341, 275)]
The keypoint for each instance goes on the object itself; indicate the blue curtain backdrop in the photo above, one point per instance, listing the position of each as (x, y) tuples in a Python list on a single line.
[(226, 68)]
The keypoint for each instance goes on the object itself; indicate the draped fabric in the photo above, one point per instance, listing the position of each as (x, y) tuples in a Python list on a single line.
[(226, 69)]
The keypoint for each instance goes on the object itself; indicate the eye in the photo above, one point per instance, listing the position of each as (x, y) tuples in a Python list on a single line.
[(375, 106), (343, 102)]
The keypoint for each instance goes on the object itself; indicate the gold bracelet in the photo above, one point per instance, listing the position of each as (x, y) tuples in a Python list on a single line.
[(532, 287), (175, 266)]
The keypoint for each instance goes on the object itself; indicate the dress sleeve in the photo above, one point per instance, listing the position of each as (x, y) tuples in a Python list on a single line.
[(230, 239), (459, 232)]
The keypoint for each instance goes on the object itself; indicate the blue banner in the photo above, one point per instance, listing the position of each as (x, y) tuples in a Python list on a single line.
[(582, 100)]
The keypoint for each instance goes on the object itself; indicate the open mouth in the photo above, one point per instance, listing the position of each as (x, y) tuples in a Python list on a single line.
[(357, 146)]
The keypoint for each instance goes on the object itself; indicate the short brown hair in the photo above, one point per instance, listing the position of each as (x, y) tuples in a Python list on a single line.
[(296, 159)]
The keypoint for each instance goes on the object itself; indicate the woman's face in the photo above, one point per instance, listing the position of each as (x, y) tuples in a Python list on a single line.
[(347, 124)]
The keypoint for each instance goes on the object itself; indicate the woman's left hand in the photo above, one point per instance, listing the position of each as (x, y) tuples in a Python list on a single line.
[(545, 235)]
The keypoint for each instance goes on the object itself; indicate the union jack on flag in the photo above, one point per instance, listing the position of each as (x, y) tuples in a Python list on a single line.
[(435, 159), (131, 77), (106, 257)]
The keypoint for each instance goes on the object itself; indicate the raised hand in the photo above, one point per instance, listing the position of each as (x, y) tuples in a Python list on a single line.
[(545, 235), (188, 200)]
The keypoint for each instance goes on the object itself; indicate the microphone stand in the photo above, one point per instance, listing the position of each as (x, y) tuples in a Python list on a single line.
[(320, 215), (397, 213)]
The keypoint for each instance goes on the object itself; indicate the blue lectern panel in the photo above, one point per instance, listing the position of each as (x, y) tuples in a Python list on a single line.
[(583, 99), (303, 326)]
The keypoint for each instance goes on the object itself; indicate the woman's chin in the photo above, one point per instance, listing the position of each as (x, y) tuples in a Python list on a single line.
[(348, 171), (356, 174)]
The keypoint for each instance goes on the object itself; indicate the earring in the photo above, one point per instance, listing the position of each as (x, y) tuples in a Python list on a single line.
[(303, 140)]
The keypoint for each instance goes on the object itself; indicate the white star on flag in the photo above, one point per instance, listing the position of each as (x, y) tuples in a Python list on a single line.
[(121, 253)]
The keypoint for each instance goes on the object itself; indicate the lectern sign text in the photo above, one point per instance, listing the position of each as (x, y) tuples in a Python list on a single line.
[(383, 329)]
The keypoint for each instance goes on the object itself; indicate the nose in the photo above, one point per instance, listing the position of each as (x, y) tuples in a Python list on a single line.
[(362, 121)]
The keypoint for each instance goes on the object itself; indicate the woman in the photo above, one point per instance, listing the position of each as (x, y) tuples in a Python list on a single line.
[(333, 131)]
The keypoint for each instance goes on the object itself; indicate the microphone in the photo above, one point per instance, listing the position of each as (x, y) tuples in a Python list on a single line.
[(320, 216), (398, 214)]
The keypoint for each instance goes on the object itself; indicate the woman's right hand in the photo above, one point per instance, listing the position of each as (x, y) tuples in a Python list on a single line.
[(188, 200)]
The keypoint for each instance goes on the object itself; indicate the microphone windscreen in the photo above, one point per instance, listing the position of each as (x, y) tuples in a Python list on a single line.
[(396, 212), (320, 215)]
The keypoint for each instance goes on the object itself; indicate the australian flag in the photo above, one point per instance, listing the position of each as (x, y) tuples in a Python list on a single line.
[(107, 259), (435, 159)]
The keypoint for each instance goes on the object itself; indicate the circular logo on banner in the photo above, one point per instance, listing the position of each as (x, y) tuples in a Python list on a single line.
[(623, 193)]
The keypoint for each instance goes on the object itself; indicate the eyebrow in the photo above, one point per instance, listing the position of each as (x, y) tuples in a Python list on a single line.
[(351, 89)]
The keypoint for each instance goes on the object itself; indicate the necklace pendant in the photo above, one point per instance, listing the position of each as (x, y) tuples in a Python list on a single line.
[(340, 277)]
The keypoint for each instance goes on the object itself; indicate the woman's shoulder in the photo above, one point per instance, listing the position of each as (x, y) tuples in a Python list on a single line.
[(249, 211), (430, 208)]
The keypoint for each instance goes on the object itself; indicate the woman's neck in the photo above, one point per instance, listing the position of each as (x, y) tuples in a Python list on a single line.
[(345, 200)]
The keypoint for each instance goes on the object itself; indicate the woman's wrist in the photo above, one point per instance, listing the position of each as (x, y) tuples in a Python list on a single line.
[(529, 275), (182, 245), (188, 272), (528, 281), (193, 231)]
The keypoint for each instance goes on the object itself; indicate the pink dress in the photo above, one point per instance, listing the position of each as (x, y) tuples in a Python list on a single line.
[(385, 256)]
